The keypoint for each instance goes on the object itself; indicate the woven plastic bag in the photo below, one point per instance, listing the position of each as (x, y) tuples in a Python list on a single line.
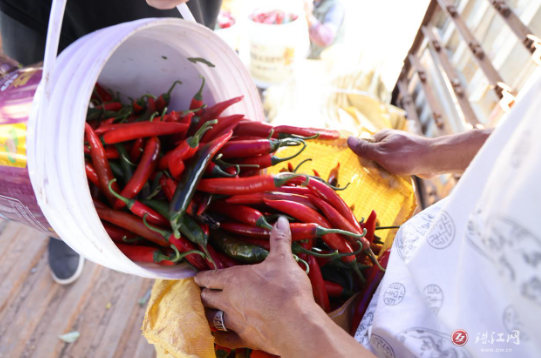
[(175, 320)]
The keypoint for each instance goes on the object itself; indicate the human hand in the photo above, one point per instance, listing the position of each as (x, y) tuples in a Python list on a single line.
[(398, 152), (262, 302), (165, 4)]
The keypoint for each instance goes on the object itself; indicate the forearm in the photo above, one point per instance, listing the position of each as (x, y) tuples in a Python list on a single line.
[(454, 153), (311, 332)]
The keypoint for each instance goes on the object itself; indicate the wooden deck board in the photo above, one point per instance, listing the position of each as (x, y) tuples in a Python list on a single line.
[(102, 305)]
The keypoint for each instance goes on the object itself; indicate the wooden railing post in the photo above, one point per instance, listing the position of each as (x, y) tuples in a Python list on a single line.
[(433, 104), (460, 93), (476, 49)]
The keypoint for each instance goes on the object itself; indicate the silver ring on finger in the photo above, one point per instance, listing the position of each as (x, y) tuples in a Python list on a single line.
[(218, 321)]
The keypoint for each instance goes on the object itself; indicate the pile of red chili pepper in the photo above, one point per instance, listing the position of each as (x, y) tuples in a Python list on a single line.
[(190, 186), (273, 17)]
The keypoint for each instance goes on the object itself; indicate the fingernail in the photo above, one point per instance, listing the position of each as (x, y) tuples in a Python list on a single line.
[(352, 141), (282, 223)]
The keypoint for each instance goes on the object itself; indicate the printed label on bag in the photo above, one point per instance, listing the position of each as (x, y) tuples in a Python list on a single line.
[(13, 145)]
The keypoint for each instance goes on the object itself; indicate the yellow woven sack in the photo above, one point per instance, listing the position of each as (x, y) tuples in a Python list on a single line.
[(175, 321)]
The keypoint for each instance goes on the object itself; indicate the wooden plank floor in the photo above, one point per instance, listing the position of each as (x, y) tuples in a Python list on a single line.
[(102, 305)]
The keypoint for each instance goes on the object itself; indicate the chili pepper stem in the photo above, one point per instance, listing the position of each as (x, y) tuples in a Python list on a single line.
[(301, 163), (193, 141), (295, 136), (129, 241), (262, 222), (128, 202), (199, 95), (168, 93), (298, 259), (160, 256), (280, 160), (163, 232), (320, 231), (208, 257), (187, 253), (387, 227), (281, 180), (357, 271), (374, 259)]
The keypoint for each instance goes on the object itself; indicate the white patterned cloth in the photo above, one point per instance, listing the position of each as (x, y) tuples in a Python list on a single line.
[(471, 262)]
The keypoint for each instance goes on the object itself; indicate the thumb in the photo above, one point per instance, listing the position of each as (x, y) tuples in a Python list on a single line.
[(280, 238), (363, 148)]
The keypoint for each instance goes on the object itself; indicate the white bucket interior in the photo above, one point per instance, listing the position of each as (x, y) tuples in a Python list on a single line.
[(128, 58)]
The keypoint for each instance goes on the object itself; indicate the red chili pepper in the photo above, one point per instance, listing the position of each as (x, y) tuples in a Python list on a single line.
[(290, 167), (318, 285), (261, 354), (258, 199), (215, 257), (132, 223), (253, 129), (169, 186), (206, 200), (249, 185), (268, 160), (334, 289), (307, 215), (111, 106), (222, 125), (184, 245), (338, 221), (252, 148), (241, 213), (173, 116), (91, 173), (197, 100), (324, 134), (139, 105), (116, 233), (130, 131), (136, 150), (316, 173), (101, 93), (108, 122), (110, 152), (165, 98), (100, 163), (140, 209), (299, 190), (186, 150), (147, 254), (215, 111), (142, 173), (299, 231), (333, 175), (370, 226), (215, 170), (226, 260), (187, 119), (324, 191), (374, 278)]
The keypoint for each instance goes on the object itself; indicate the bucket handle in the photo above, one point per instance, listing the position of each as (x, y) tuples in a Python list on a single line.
[(51, 51)]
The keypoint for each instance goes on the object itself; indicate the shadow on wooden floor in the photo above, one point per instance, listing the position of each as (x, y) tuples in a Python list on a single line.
[(103, 305)]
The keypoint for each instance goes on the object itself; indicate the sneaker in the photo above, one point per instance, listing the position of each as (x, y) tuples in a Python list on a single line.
[(66, 265)]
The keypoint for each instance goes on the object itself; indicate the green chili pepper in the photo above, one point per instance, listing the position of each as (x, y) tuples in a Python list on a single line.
[(125, 164), (237, 249)]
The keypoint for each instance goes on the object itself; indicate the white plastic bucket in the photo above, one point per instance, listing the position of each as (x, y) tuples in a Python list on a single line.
[(135, 58), (276, 49)]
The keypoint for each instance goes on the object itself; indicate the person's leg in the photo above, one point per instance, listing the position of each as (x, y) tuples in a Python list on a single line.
[(20, 42), (66, 265)]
